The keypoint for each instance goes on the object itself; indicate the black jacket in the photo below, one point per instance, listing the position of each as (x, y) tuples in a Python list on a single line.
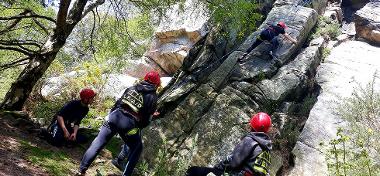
[(246, 152), (148, 91)]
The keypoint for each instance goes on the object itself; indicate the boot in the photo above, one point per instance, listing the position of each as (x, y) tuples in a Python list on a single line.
[(119, 164)]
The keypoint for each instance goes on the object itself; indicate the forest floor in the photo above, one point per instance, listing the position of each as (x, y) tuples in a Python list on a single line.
[(23, 153)]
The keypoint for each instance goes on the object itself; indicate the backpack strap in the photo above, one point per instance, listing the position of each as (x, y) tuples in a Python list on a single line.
[(260, 162)]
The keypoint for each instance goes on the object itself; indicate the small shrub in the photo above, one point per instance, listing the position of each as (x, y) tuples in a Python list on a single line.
[(355, 150), (327, 28), (325, 52), (45, 110)]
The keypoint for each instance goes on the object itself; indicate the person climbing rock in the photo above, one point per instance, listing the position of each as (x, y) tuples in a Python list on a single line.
[(251, 157), (65, 124), (131, 113), (270, 34)]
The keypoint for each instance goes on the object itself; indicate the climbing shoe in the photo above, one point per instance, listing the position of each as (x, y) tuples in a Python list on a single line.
[(80, 173), (119, 164)]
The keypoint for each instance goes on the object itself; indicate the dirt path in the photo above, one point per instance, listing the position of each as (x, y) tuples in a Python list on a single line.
[(12, 160), (18, 144)]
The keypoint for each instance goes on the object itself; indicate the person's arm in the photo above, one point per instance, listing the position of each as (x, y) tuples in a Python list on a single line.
[(73, 136), (290, 38), (148, 110), (240, 153), (61, 123)]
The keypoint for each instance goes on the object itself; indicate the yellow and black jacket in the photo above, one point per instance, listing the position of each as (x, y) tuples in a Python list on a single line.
[(251, 156), (140, 100)]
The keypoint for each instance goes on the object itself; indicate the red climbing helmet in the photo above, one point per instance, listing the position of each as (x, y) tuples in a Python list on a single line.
[(282, 24), (87, 94), (261, 122), (153, 77)]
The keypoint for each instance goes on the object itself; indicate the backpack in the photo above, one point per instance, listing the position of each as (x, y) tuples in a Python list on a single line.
[(133, 98), (259, 164), (262, 162)]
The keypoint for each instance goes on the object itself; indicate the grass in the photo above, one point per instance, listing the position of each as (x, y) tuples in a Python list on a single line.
[(55, 162)]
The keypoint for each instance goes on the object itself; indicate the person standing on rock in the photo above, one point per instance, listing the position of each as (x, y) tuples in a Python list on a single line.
[(133, 112), (65, 125), (251, 157), (270, 34)]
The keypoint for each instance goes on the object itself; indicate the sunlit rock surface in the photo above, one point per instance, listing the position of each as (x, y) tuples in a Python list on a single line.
[(178, 32), (367, 22), (351, 64)]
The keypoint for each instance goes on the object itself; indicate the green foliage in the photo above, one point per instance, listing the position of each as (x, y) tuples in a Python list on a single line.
[(344, 159), (326, 28), (55, 162), (6, 79), (325, 52), (261, 76), (44, 111), (234, 15), (355, 149), (26, 29), (306, 105)]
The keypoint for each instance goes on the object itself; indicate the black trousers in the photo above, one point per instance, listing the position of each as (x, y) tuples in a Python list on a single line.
[(57, 138), (260, 40), (203, 171), (124, 125)]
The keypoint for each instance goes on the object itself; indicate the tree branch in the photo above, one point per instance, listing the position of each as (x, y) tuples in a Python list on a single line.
[(75, 14), (62, 13), (13, 64), (14, 23), (41, 26), (92, 35), (92, 6), (19, 17), (16, 49), (20, 42)]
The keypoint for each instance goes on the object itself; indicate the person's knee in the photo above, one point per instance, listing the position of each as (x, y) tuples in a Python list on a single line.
[(191, 171)]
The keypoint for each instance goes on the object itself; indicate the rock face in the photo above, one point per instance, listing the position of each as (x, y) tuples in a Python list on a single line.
[(173, 39), (367, 22), (338, 76), (211, 97), (138, 68)]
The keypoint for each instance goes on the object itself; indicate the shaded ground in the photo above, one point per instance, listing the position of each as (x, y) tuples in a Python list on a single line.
[(23, 153)]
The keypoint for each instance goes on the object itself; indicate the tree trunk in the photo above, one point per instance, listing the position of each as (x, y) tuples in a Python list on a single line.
[(40, 62), (23, 86)]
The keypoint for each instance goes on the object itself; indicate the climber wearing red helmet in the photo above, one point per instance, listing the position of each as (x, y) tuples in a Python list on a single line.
[(270, 34), (65, 124), (131, 113), (251, 157)]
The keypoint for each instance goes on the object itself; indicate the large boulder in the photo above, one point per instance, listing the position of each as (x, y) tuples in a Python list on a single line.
[(338, 76), (139, 67), (367, 22), (177, 34), (204, 101)]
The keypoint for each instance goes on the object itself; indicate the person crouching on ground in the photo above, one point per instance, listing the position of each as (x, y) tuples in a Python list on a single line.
[(65, 124), (251, 157)]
